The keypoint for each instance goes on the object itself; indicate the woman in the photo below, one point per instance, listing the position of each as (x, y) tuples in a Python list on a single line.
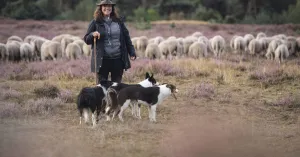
[(113, 44)]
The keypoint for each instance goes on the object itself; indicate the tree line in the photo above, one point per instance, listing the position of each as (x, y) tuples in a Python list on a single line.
[(219, 11)]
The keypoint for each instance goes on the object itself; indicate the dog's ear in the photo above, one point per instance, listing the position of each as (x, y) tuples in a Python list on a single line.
[(152, 75), (147, 75), (172, 87)]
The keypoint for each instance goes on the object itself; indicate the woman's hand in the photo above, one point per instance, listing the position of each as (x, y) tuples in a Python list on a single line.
[(133, 58), (96, 34)]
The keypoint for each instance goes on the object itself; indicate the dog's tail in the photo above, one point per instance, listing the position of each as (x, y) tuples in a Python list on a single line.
[(111, 100)]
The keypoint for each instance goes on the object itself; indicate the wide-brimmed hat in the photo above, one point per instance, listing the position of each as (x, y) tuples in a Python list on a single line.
[(102, 2)]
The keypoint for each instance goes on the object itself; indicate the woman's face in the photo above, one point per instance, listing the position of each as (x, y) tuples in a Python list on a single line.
[(106, 9)]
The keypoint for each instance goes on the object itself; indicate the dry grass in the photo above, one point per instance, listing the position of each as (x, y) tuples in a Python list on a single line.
[(45, 111)]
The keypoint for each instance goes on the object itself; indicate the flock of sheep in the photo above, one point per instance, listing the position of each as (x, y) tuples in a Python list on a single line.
[(35, 48), (278, 47), (32, 48)]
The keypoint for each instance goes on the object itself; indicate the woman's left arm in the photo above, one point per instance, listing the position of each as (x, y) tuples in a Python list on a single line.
[(128, 42)]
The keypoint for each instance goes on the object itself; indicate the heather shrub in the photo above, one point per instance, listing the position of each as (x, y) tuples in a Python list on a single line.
[(6, 94), (66, 96), (10, 110), (202, 90), (271, 75), (43, 106), (288, 102), (47, 90)]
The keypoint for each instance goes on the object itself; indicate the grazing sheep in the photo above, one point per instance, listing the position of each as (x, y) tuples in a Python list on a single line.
[(60, 37), (86, 49), (134, 41), (142, 43), (37, 45), (264, 45), (197, 34), (281, 53), (280, 36), (51, 50), (14, 38), (239, 45), (180, 40), (171, 38), (248, 38), (298, 45), (29, 38), (151, 40), (197, 50), (292, 45), (231, 44), (64, 43), (80, 43), (187, 42), (254, 47), (179, 50), (13, 49), (260, 35), (152, 51), (3, 52), (27, 52), (164, 49), (73, 51), (172, 48), (218, 45), (158, 39), (205, 40), (272, 47)]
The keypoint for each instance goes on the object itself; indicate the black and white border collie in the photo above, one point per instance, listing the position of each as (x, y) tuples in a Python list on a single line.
[(149, 81), (92, 99), (151, 96)]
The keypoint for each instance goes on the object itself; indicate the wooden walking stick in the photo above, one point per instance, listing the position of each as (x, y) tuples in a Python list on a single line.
[(95, 59)]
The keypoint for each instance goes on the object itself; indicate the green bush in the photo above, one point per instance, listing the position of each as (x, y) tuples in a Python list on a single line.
[(206, 14)]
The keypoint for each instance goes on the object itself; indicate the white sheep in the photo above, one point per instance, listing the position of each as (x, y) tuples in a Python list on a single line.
[(280, 36), (164, 49), (292, 45), (171, 38), (231, 43), (205, 40), (64, 43), (248, 38), (37, 44), (73, 51), (29, 38), (239, 45), (187, 42), (158, 39), (27, 52), (281, 53), (142, 43), (58, 38), (13, 49), (198, 50), (272, 47), (86, 49), (3, 52), (134, 42), (218, 45), (152, 51), (260, 35), (51, 50), (14, 38), (254, 47), (80, 43), (264, 41), (172, 48), (197, 34)]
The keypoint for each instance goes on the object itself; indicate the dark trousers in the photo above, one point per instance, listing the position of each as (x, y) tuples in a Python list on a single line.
[(112, 66)]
